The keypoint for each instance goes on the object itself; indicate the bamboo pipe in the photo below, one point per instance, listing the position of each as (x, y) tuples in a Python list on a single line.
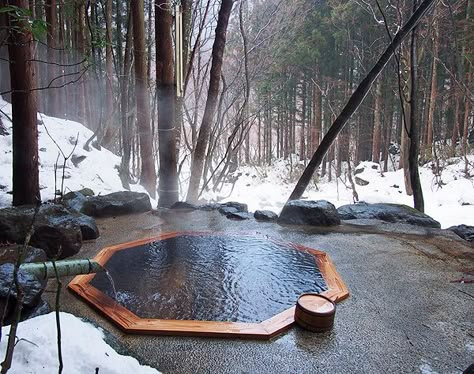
[(64, 268)]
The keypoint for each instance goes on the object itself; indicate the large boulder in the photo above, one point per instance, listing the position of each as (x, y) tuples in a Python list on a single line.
[(464, 231), (232, 209), (32, 286), (117, 203), (265, 215), (309, 212), (394, 213), (88, 226), (56, 230)]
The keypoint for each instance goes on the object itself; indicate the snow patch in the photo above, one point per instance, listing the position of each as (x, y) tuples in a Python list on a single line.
[(83, 348)]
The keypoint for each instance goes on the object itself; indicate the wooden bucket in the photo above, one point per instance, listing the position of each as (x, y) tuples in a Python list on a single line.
[(315, 312)]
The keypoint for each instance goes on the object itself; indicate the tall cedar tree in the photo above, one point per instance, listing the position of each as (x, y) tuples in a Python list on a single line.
[(168, 184), (211, 102), (25, 128), (148, 173)]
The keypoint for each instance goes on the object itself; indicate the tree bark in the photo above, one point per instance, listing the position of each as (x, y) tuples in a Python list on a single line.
[(356, 99), (109, 98), (148, 174), (52, 95), (434, 92), (166, 94), (124, 96), (377, 133), (211, 102), (414, 123), (24, 111)]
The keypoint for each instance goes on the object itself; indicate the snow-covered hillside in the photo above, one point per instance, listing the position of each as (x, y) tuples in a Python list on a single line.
[(451, 202), (98, 170)]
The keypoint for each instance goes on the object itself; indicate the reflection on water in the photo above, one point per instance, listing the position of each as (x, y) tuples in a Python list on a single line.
[(206, 277)]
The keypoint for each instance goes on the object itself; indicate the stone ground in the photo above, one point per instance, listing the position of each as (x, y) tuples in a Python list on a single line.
[(407, 312)]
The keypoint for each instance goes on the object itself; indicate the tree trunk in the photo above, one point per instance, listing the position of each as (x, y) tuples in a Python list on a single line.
[(211, 102), (80, 52), (108, 123), (148, 174), (414, 123), (126, 128), (52, 94), (24, 111), (434, 92), (377, 133), (168, 183)]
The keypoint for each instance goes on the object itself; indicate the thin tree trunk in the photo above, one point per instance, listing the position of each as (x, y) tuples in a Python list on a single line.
[(414, 123), (211, 102), (126, 128), (148, 174), (377, 134), (52, 96), (434, 92)]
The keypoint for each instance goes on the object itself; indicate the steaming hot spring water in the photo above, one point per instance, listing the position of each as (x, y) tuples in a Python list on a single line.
[(210, 278)]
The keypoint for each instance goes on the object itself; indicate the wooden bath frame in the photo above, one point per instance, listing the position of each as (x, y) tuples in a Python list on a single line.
[(132, 324)]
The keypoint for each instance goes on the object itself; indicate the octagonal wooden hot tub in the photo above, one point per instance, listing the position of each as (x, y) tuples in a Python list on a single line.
[(207, 284)]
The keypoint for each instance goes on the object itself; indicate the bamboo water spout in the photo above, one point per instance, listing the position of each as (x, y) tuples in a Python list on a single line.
[(64, 268)]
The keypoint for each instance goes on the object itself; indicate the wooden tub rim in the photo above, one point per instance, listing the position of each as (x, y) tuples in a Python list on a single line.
[(310, 312), (132, 324)]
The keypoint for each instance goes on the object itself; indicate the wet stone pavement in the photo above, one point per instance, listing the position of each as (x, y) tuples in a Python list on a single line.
[(406, 313)]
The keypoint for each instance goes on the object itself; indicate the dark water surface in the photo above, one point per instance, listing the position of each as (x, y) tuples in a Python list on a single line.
[(206, 277)]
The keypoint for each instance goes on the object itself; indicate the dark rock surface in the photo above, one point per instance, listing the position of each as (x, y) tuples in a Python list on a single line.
[(32, 287), (117, 203), (74, 200), (227, 210), (9, 253), (239, 215), (393, 213), (361, 182), (56, 230), (209, 207), (184, 206), (240, 207), (265, 215), (232, 210), (464, 231), (88, 226), (308, 212)]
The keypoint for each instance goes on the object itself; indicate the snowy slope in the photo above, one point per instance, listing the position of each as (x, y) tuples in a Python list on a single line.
[(83, 348), (98, 171)]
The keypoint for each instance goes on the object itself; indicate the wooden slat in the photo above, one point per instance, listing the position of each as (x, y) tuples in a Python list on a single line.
[(131, 323)]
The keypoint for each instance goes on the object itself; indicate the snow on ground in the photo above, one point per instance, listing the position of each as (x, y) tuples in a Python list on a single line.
[(98, 171), (268, 187), (83, 348), (450, 202)]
